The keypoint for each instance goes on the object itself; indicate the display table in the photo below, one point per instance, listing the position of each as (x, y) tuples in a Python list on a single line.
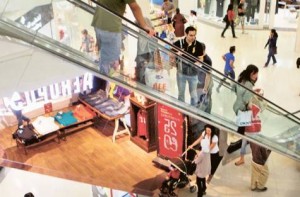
[(117, 118)]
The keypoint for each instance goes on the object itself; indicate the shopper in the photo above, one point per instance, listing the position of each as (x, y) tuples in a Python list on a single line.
[(108, 30), (203, 162), (241, 14), (185, 71), (229, 59), (247, 78), (210, 135), (87, 43), (178, 23), (259, 167), (168, 8), (229, 21), (193, 19), (205, 83), (272, 42)]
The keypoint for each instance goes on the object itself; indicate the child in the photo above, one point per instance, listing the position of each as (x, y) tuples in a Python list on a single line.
[(170, 179)]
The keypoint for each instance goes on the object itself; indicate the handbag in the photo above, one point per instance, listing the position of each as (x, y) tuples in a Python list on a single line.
[(255, 126), (225, 19), (244, 118)]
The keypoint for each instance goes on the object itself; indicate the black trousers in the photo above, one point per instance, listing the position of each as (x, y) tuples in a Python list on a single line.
[(231, 24), (215, 160), (201, 183)]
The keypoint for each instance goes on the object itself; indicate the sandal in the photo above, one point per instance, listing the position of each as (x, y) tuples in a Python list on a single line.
[(238, 163)]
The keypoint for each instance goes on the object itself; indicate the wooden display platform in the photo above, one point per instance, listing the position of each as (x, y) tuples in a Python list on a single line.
[(116, 131)]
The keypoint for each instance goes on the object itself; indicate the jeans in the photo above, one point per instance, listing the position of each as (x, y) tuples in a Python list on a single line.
[(243, 147), (271, 54), (181, 83), (20, 117), (231, 74), (110, 48)]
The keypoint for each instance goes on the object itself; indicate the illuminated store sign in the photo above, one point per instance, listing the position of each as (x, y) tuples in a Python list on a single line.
[(65, 88)]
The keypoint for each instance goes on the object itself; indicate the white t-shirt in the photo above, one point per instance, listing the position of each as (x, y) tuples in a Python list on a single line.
[(206, 142), (45, 125), (157, 79)]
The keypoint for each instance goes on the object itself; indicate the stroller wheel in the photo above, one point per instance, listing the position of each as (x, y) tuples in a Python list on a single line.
[(193, 188)]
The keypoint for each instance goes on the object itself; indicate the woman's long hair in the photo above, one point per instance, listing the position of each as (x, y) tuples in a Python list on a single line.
[(274, 33), (245, 74), (230, 7), (213, 131)]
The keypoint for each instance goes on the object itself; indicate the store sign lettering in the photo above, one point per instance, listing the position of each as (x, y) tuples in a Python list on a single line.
[(53, 91), (170, 141)]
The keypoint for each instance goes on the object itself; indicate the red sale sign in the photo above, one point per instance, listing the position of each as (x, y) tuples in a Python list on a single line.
[(170, 131)]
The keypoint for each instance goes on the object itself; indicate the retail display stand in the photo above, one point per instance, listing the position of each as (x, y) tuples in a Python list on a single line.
[(60, 133), (55, 136), (116, 131), (149, 139)]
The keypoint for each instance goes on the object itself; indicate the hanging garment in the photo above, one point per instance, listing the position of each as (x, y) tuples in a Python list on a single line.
[(142, 124)]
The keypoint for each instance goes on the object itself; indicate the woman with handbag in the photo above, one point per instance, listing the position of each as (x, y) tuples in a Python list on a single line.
[(247, 78), (272, 42), (229, 21)]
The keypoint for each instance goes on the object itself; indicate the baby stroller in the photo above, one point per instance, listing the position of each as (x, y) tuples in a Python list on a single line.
[(186, 169)]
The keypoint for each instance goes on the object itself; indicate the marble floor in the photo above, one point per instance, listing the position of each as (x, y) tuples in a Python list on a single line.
[(281, 84)]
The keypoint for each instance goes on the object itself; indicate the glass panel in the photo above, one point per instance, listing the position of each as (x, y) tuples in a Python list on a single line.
[(155, 68)]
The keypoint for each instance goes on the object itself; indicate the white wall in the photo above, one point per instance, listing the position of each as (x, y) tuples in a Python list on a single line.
[(186, 6)]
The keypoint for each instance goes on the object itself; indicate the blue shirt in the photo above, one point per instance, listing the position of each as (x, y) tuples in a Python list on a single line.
[(228, 58)]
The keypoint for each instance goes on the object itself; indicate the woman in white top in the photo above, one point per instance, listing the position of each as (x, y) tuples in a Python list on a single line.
[(193, 19), (210, 135)]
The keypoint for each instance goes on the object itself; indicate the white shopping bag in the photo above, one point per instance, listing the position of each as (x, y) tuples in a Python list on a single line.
[(244, 118)]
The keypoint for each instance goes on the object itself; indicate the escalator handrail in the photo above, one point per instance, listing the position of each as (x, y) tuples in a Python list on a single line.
[(195, 59)]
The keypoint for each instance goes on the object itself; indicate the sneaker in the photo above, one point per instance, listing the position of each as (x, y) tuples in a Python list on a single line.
[(266, 65), (262, 189), (222, 36), (235, 37)]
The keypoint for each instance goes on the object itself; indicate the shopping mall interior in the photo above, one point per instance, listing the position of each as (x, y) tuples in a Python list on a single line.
[(43, 63)]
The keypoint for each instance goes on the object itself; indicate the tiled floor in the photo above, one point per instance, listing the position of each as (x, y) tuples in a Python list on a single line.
[(281, 84)]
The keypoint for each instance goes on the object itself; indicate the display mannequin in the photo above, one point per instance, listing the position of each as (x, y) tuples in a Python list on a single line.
[(252, 5), (220, 7), (207, 6)]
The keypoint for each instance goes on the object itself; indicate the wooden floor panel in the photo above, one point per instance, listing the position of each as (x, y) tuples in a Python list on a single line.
[(89, 156)]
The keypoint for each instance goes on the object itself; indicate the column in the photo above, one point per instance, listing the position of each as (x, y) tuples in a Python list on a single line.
[(297, 43), (272, 14), (261, 16)]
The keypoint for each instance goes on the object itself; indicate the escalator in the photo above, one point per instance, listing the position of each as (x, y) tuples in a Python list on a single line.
[(280, 129)]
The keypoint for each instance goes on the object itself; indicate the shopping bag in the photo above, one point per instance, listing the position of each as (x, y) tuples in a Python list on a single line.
[(244, 118), (255, 122)]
